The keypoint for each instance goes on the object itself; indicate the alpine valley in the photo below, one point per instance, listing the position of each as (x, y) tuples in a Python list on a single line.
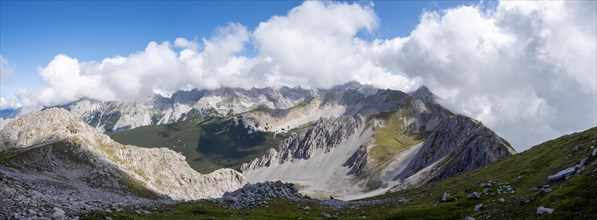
[(351, 151)]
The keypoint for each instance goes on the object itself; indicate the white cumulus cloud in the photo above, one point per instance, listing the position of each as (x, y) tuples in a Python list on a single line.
[(525, 69)]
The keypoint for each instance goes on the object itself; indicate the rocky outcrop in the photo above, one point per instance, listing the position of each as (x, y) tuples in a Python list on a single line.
[(568, 172), (542, 210), (261, 194), (325, 135), (73, 153), (315, 156), (357, 162)]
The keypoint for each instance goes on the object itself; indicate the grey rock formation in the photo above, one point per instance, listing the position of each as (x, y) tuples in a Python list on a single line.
[(424, 94), (478, 207), (568, 172), (325, 135), (474, 195), (445, 197), (357, 162), (261, 194), (325, 215), (542, 210), (54, 146), (457, 144)]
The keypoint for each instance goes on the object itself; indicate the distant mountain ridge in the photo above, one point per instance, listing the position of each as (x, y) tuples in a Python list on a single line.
[(183, 105), (350, 141)]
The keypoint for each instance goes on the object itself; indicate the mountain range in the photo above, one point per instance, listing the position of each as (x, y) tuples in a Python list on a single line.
[(349, 142), (369, 140)]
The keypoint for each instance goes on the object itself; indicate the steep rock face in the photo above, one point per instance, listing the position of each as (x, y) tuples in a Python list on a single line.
[(314, 157), (457, 144), (67, 148), (357, 162), (324, 136), (109, 116)]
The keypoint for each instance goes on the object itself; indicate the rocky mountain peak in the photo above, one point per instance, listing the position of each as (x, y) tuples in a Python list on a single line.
[(354, 85), (424, 93), (457, 144)]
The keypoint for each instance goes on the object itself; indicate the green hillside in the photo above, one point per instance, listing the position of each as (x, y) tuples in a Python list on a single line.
[(575, 198), (207, 144)]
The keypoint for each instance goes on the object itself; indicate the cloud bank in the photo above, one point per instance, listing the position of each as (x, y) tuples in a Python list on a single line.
[(525, 69)]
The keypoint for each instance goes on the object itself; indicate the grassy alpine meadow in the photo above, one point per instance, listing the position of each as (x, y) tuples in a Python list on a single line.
[(512, 180), (207, 144), (392, 138)]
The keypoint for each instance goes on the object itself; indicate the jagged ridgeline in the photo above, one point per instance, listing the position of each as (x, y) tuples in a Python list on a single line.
[(350, 141)]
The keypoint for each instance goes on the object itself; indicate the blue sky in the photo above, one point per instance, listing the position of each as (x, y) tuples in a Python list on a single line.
[(33, 32), (517, 66)]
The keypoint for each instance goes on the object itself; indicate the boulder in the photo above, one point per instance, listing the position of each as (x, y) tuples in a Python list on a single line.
[(58, 214), (546, 188), (562, 174), (542, 210), (478, 207), (584, 161), (474, 195), (259, 194), (445, 197)]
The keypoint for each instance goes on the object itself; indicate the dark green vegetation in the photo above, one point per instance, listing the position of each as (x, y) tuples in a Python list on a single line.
[(207, 144), (280, 209), (575, 198)]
